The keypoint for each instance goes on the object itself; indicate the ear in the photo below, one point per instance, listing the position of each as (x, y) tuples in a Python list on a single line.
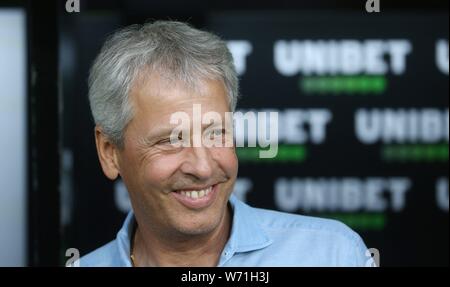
[(107, 154)]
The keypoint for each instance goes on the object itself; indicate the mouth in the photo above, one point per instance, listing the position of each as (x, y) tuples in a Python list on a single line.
[(196, 198)]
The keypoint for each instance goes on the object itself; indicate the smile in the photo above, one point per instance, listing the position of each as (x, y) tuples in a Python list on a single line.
[(197, 193), (196, 198)]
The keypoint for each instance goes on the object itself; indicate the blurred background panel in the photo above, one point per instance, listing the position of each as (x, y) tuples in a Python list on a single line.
[(363, 122), (13, 137)]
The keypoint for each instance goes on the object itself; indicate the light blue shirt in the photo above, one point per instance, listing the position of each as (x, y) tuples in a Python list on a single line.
[(261, 237)]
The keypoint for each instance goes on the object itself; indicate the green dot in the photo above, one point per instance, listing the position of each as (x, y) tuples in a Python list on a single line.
[(282, 154), (352, 85), (402, 153), (335, 85), (379, 221), (378, 85), (443, 153), (420, 152), (307, 85), (302, 153), (350, 220), (386, 153), (431, 152), (322, 85), (364, 84)]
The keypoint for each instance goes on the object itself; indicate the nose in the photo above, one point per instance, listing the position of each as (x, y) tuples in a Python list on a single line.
[(199, 163)]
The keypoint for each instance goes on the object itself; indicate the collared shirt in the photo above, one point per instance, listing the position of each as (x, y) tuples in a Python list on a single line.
[(261, 237)]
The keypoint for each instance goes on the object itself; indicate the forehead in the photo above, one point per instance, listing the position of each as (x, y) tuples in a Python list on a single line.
[(156, 98), (158, 89)]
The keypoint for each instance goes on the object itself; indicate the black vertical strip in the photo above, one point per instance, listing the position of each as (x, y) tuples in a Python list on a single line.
[(43, 148)]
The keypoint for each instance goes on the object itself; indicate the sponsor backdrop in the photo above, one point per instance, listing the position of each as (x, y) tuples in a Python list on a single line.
[(362, 104)]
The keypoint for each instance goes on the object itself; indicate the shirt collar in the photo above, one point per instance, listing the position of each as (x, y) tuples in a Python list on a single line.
[(246, 234), (123, 239)]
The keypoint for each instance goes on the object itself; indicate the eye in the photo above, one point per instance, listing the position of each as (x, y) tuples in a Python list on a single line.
[(216, 133), (174, 140), (219, 132), (164, 141)]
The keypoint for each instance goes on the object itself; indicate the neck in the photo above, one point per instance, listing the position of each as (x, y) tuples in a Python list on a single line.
[(152, 248)]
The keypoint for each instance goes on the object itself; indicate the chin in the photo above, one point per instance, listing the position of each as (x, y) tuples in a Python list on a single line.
[(204, 222), (194, 231), (197, 227)]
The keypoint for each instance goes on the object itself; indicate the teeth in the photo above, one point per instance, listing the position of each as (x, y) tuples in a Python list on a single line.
[(195, 194)]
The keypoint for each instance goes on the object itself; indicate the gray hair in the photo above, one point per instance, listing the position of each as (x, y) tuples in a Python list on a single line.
[(174, 49)]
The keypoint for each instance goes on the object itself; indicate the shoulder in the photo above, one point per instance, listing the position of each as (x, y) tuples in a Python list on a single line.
[(326, 241), (115, 253), (293, 223), (105, 256)]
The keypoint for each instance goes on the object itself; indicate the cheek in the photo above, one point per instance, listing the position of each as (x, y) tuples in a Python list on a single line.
[(160, 169), (144, 171), (226, 157)]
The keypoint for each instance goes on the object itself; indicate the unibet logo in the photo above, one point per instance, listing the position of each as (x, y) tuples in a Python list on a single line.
[(349, 194), (442, 193), (402, 125), (442, 55), (345, 57), (294, 126), (240, 49)]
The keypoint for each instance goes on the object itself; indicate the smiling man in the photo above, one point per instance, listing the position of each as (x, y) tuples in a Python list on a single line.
[(183, 210)]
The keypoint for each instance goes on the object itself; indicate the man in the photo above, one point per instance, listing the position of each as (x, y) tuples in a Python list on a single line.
[(184, 213)]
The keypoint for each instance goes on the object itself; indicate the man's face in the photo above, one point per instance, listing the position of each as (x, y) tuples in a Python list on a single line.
[(161, 177)]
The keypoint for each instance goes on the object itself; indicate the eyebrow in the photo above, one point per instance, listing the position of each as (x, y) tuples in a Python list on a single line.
[(167, 130), (156, 135)]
